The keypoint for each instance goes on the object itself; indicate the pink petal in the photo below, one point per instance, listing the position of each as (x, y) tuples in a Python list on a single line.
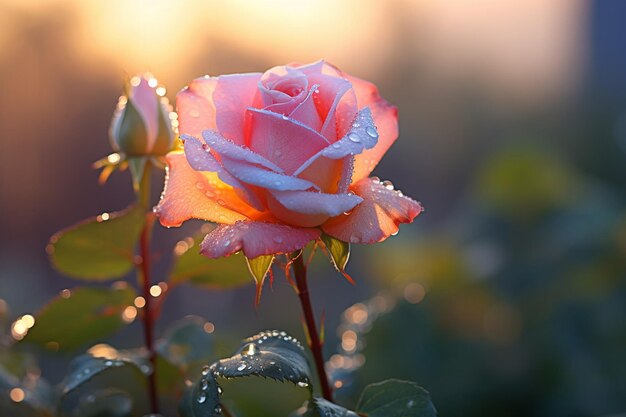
[(195, 107), (312, 202), (306, 112), (332, 176), (200, 158), (284, 141), (146, 102), (225, 147), (261, 177), (386, 119), (335, 103), (193, 194), (377, 217), (233, 95), (362, 136), (255, 239)]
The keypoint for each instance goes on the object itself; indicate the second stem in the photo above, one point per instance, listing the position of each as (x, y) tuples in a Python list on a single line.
[(315, 344)]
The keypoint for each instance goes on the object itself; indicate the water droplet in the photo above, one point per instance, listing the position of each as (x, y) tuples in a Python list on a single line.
[(108, 363), (354, 137), (241, 366), (199, 185), (205, 370), (250, 350), (201, 398), (217, 409), (209, 194), (278, 239), (219, 390), (388, 185), (356, 124), (336, 145), (371, 131), (303, 384), (204, 384), (221, 202), (410, 404), (355, 238), (285, 117), (226, 242)]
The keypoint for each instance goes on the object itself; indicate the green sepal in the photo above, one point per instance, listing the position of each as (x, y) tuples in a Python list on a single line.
[(132, 135), (259, 267)]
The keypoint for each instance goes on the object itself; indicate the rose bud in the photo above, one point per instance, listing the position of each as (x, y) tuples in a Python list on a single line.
[(141, 124)]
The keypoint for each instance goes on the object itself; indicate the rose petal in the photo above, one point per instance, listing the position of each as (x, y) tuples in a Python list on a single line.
[(377, 217), (193, 194), (200, 158), (311, 202), (335, 103), (362, 136), (145, 100), (226, 148), (386, 118), (255, 239), (282, 140), (306, 112), (254, 175), (233, 95), (195, 107)]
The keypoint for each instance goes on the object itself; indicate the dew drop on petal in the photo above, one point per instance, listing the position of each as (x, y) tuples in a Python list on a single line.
[(354, 137), (201, 398), (371, 131)]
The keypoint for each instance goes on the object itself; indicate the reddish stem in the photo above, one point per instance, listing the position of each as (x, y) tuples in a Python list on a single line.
[(309, 318), (148, 317)]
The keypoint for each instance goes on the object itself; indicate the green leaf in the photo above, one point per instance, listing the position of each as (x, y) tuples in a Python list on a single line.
[(396, 398), (89, 376), (80, 316), (100, 248), (259, 267), (338, 251), (271, 354), (203, 399), (186, 343), (104, 402), (191, 267)]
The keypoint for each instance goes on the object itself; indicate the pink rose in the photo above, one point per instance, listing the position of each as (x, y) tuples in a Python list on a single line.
[(279, 157)]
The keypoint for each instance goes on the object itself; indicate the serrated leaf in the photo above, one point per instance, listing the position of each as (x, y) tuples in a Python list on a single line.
[(259, 267), (186, 343), (203, 399), (100, 248), (270, 354), (80, 316), (338, 251), (396, 398), (193, 268), (319, 407), (105, 402)]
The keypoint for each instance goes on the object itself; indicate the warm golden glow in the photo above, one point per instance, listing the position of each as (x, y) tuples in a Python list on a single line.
[(140, 302), (17, 395), (103, 350), (129, 314), (155, 290), (209, 327), (348, 341)]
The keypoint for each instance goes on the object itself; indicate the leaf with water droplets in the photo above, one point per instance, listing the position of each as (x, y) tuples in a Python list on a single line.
[(100, 248), (86, 367), (193, 268), (202, 399), (270, 354), (104, 402), (338, 251), (259, 267), (82, 315), (396, 398)]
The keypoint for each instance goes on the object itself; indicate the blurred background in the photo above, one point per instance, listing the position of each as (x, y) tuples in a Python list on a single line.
[(506, 297)]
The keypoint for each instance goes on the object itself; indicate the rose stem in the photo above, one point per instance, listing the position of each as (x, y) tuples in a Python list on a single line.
[(146, 281), (314, 339)]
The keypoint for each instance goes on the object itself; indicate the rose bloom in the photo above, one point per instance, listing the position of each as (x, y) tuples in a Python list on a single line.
[(280, 157)]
